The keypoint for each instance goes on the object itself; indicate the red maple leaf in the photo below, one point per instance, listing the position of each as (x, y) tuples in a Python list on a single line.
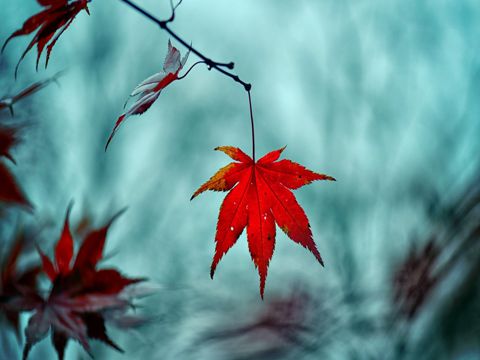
[(51, 22), (10, 192), (79, 295), (17, 286), (260, 196), (150, 88)]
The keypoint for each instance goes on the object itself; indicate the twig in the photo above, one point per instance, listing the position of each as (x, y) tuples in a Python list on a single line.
[(252, 124), (213, 64), (219, 66), (172, 17)]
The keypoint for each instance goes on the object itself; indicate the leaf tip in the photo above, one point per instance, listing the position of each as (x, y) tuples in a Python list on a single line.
[(108, 141), (26, 351), (29, 207), (319, 258), (10, 157), (117, 215), (69, 210), (212, 270)]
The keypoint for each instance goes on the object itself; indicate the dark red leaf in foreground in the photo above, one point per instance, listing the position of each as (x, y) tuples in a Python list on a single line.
[(150, 88), (17, 286), (91, 251), (64, 248), (49, 24), (80, 294), (10, 192), (8, 139), (260, 196)]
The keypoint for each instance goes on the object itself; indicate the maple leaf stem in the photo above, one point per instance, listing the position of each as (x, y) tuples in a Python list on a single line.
[(252, 124), (190, 69)]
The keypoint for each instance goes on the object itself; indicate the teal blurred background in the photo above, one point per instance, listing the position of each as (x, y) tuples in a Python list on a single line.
[(382, 95)]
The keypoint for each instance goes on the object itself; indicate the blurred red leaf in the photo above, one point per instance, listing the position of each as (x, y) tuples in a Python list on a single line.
[(64, 248), (10, 192), (80, 293), (91, 251), (8, 139), (260, 196), (51, 22), (150, 88), (414, 278), (17, 285)]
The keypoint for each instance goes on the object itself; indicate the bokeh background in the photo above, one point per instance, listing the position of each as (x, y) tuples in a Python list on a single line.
[(382, 95)]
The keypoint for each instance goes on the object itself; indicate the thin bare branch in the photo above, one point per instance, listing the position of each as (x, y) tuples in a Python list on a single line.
[(173, 7), (219, 66)]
